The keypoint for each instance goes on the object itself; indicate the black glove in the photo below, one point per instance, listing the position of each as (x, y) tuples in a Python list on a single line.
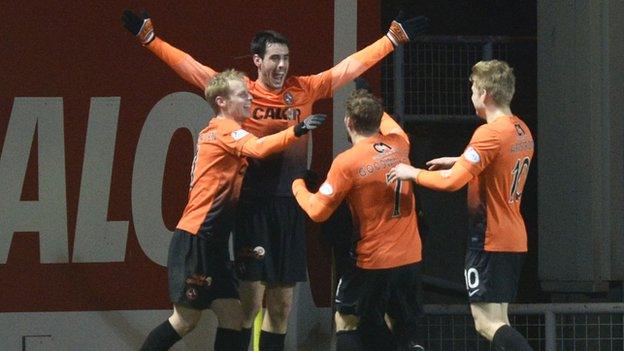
[(311, 122), (311, 180), (404, 29), (140, 27)]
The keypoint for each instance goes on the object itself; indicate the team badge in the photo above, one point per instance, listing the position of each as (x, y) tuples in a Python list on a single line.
[(288, 98), (191, 294), (472, 155)]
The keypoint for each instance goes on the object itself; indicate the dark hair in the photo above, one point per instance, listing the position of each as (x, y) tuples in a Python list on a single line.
[(262, 39), (365, 111)]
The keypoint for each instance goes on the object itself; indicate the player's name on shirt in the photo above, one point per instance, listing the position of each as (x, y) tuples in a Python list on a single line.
[(388, 157), (522, 146)]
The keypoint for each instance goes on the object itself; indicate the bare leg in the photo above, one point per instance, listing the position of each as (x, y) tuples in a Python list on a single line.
[(279, 304)]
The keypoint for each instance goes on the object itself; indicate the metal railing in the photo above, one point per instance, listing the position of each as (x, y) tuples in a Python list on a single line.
[(548, 327), (427, 80)]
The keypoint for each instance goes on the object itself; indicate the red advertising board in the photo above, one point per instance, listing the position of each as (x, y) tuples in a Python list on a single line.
[(78, 100)]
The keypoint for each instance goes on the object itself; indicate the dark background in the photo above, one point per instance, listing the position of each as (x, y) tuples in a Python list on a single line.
[(445, 213)]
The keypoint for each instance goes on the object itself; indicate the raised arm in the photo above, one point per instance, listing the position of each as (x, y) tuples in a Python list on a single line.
[(182, 63), (400, 32), (390, 126)]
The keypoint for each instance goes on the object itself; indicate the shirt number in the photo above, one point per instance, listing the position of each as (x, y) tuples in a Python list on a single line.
[(519, 172), (396, 212)]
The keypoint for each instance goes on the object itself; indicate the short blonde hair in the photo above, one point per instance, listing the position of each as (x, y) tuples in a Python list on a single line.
[(496, 78), (219, 85)]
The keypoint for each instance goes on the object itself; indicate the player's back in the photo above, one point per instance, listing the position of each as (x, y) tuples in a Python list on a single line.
[(384, 213), (497, 191)]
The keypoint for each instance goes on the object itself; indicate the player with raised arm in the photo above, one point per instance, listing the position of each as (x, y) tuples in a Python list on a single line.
[(268, 215), (198, 264), (388, 252), (494, 165)]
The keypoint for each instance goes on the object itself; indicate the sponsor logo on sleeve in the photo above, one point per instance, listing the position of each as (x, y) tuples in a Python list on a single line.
[(472, 155), (326, 189), (239, 134)]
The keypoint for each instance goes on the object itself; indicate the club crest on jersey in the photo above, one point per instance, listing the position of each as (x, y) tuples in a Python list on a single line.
[(288, 98), (381, 147), (472, 155), (191, 294)]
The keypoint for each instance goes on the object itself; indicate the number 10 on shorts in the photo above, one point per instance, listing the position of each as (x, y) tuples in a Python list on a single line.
[(471, 275)]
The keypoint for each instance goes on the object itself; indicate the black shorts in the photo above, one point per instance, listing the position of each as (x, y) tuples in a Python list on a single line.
[(278, 225), (492, 276), (191, 259), (370, 293), (349, 287)]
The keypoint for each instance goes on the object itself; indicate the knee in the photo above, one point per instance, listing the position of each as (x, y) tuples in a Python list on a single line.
[(279, 309), (251, 295), (346, 322), (484, 328), (251, 308), (184, 325)]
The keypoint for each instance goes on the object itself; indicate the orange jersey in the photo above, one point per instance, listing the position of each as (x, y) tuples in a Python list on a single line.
[(217, 174), (384, 213), (499, 156), (273, 111)]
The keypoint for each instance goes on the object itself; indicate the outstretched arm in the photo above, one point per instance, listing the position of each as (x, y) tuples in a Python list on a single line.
[(390, 126), (261, 147), (182, 63), (320, 205), (446, 180), (401, 31), (441, 163), (312, 203)]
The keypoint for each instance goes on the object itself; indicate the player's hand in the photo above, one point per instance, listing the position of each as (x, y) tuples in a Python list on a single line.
[(404, 29), (141, 27), (402, 172), (441, 163), (311, 122)]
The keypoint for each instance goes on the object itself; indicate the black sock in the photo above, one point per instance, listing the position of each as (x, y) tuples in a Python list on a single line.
[(227, 340), (408, 336), (348, 340), (271, 341), (245, 338), (161, 338), (376, 336), (507, 338)]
